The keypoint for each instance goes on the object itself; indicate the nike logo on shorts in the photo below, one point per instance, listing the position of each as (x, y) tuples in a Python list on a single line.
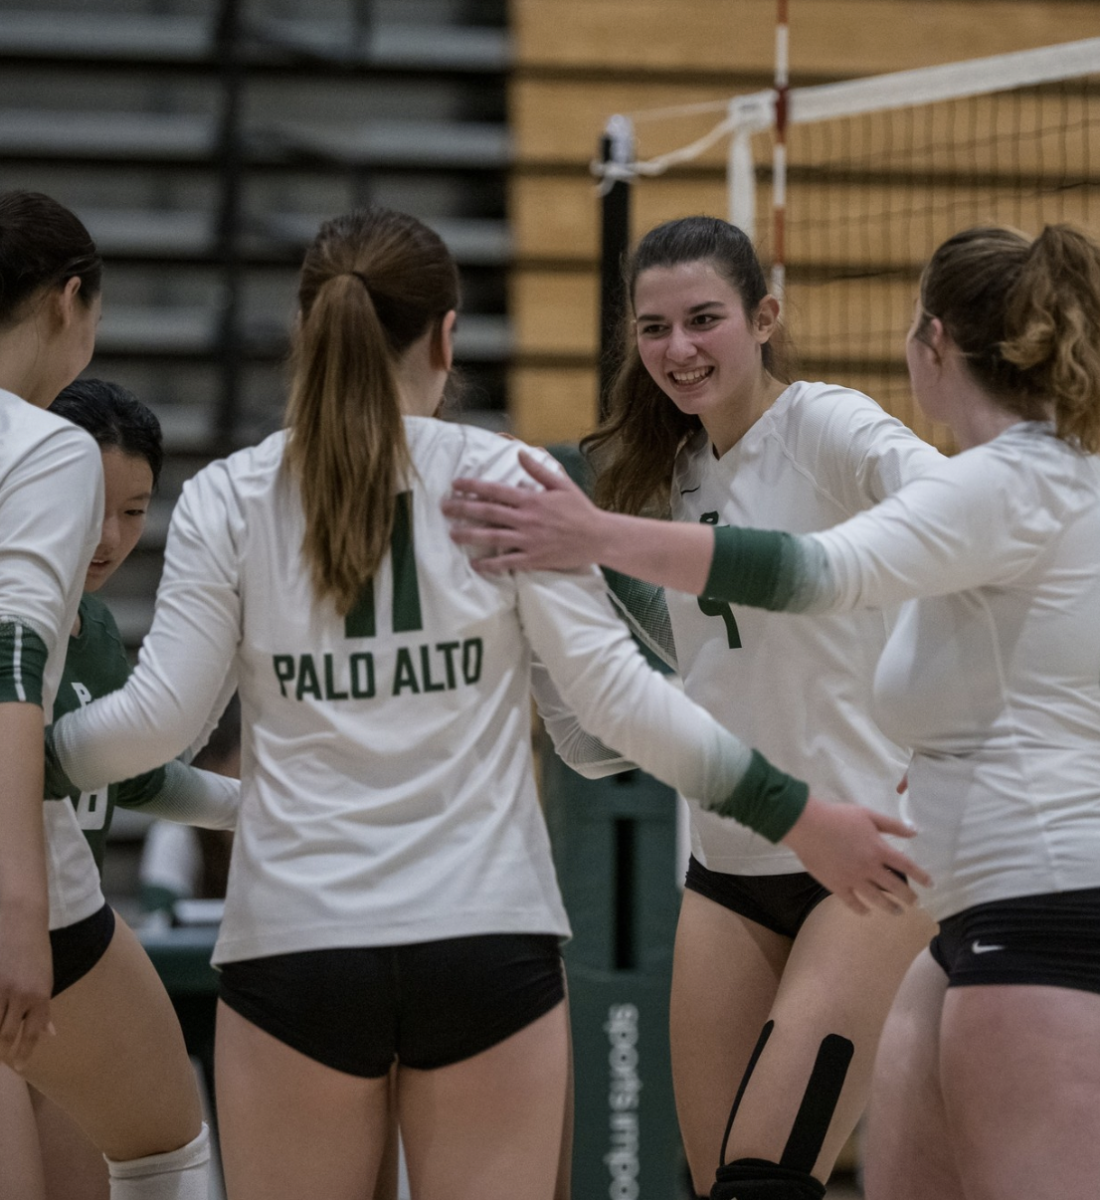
[(978, 948)]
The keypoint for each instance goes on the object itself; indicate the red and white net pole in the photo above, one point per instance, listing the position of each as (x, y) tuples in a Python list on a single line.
[(779, 153)]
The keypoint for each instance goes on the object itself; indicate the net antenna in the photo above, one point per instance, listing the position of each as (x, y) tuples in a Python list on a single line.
[(868, 176), (779, 150)]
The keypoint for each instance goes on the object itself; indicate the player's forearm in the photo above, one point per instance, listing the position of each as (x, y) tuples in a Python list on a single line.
[(23, 889), (618, 698), (191, 796), (121, 735), (667, 553)]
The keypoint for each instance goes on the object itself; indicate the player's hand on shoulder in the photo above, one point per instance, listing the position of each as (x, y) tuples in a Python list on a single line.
[(842, 846), (548, 527)]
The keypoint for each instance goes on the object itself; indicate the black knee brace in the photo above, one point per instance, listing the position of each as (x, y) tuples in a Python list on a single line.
[(757, 1179)]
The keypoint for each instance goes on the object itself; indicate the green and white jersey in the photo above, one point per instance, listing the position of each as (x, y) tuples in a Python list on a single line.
[(993, 673), (798, 688), (387, 792), (51, 509), (96, 665)]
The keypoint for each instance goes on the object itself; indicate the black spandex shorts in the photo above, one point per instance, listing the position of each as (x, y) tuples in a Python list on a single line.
[(778, 902), (77, 948), (1053, 940), (426, 1005)]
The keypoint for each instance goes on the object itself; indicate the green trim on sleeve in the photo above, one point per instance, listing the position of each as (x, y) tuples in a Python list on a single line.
[(137, 792), (23, 657), (747, 568), (766, 800)]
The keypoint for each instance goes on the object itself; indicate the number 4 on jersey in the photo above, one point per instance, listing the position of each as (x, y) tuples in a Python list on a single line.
[(720, 608)]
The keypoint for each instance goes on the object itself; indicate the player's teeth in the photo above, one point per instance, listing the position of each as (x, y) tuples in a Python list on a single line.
[(688, 376)]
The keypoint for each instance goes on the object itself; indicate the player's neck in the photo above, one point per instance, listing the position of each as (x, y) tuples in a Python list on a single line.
[(728, 425)]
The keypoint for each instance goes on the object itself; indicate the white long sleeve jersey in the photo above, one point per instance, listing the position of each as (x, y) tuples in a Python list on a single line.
[(993, 674), (387, 786), (798, 688), (51, 510)]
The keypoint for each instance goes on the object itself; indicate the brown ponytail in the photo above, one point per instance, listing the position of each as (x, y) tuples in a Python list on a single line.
[(1027, 316), (373, 282)]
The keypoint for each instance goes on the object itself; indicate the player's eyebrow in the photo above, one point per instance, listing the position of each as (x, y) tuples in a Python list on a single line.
[(695, 308)]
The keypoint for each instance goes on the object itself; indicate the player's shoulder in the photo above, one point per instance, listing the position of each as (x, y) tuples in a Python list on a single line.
[(444, 450), (98, 656), (825, 423), (26, 430), (245, 473), (811, 406), (98, 620), (1029, 456)]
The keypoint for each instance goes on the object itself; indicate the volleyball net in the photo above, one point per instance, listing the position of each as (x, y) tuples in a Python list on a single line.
[(847, 188)]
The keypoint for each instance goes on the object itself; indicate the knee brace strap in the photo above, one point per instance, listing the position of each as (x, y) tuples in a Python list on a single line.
[(758, 1179), (761, 1042), (818, 1103), (176, 1175)]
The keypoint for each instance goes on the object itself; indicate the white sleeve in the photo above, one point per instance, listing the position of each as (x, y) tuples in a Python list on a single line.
[(617, 696), (185, 658), (50, 517), (976, 520), (577, 748), (191, 796), (860, 453)]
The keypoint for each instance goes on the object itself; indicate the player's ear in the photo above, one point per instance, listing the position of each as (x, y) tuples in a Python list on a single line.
[(443, 350), (63, 302), (765, 320), (936, 337)]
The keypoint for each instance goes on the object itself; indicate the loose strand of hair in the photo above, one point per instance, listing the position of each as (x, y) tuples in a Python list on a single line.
[(633, 450)]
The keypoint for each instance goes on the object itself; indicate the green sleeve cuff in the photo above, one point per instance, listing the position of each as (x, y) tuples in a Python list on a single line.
[(747, 567), (766, 800), (133, 793), (23, 657)]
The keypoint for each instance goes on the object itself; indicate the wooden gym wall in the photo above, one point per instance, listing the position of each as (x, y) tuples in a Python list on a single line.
[(579, 61)]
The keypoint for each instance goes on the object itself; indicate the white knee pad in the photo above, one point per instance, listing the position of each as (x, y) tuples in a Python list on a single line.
[(182, 1174)]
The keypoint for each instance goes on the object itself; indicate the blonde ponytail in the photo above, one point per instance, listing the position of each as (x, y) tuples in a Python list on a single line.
[(1027, 316), (1052, 329), (373, 282)]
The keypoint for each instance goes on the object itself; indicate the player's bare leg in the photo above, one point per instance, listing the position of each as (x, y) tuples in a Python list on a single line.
[(907, 1150), (564, 1188), (489, 1127), (726, 970), (823, 1029), (20, 1154), (118, 1065), (73, 1166), (841, 978), (1021, 1082), (291, 1127)]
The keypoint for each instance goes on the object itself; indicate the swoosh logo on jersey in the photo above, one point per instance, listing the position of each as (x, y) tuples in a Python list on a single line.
[(688, 491), (978, 948)]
